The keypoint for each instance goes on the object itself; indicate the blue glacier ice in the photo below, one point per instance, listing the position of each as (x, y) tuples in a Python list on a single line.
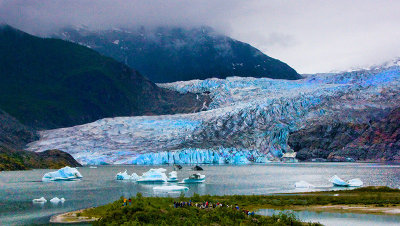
[(172, 177), (337, 181), (249, 120), (63, 174), (123, 176)]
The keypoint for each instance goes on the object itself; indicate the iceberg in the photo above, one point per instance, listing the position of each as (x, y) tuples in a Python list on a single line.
[(303, 184), (126, 176), (154, 176), (134, 177), (337, 181), (41, 200), (356, 182), (173, 177), (123, 176), (170, 188), (56, 200), (64, 174)]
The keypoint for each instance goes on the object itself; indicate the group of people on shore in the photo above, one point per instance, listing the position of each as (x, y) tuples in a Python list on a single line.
[(206, 205), (126, 201)]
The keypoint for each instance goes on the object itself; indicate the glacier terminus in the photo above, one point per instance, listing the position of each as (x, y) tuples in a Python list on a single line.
[(249, 120)]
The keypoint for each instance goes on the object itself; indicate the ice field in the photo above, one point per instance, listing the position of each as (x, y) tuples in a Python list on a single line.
[(249, 120)]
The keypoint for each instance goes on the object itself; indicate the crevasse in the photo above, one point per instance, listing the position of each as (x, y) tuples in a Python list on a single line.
[(249, 120)]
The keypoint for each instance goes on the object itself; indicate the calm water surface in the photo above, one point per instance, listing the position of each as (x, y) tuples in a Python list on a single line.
[(343, 219), (98, 187)]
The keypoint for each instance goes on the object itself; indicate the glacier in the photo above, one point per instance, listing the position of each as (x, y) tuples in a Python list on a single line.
[(249, 120)]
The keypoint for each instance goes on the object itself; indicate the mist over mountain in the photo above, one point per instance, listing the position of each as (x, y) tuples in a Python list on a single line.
[(169, 54)]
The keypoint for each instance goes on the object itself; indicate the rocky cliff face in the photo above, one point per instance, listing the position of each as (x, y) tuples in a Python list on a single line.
[(248, 118), (379, 142), (375, 140), (321, 140)]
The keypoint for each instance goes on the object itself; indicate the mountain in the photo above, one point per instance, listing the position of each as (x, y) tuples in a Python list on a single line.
[(13, 133), (51, 83), (11, 159), (251, 120), (168, 54)]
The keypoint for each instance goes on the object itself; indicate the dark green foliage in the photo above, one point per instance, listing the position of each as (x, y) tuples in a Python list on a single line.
[(11, 159), (160, 211), (177, 54), (49, 83)]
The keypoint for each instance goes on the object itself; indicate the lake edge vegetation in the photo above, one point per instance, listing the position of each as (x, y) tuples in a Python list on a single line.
[(231, 209)]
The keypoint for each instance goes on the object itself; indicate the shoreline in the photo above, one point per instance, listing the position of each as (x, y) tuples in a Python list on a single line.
[(373, 209), (200, 164), (72, 217), (350, 208)]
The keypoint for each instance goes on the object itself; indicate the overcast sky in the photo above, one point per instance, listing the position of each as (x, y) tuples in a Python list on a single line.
[(311, 36)]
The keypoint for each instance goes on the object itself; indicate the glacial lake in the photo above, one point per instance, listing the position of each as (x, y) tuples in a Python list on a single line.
[(98, 187), (334, 219)]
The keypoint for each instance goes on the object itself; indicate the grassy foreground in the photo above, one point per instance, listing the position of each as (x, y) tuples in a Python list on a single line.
[(161, 211)]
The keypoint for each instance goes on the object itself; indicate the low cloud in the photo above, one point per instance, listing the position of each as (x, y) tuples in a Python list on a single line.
[(311, 36)]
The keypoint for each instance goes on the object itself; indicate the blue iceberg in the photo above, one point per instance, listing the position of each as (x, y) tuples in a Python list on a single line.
[(337, 181), (126, 176), (64, 174), (154, 176)]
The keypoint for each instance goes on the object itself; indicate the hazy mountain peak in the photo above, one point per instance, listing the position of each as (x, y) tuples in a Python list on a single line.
[(168, 54)]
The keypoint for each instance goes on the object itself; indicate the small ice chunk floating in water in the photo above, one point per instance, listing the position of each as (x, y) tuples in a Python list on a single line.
[(303, 184), (56, 200), (64, 174), (41, 200), (170, 188), (195, 178), (350, 183)]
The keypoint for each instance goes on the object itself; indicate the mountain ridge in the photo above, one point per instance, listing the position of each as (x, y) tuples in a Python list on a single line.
[(50, 83), (169, 54)]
